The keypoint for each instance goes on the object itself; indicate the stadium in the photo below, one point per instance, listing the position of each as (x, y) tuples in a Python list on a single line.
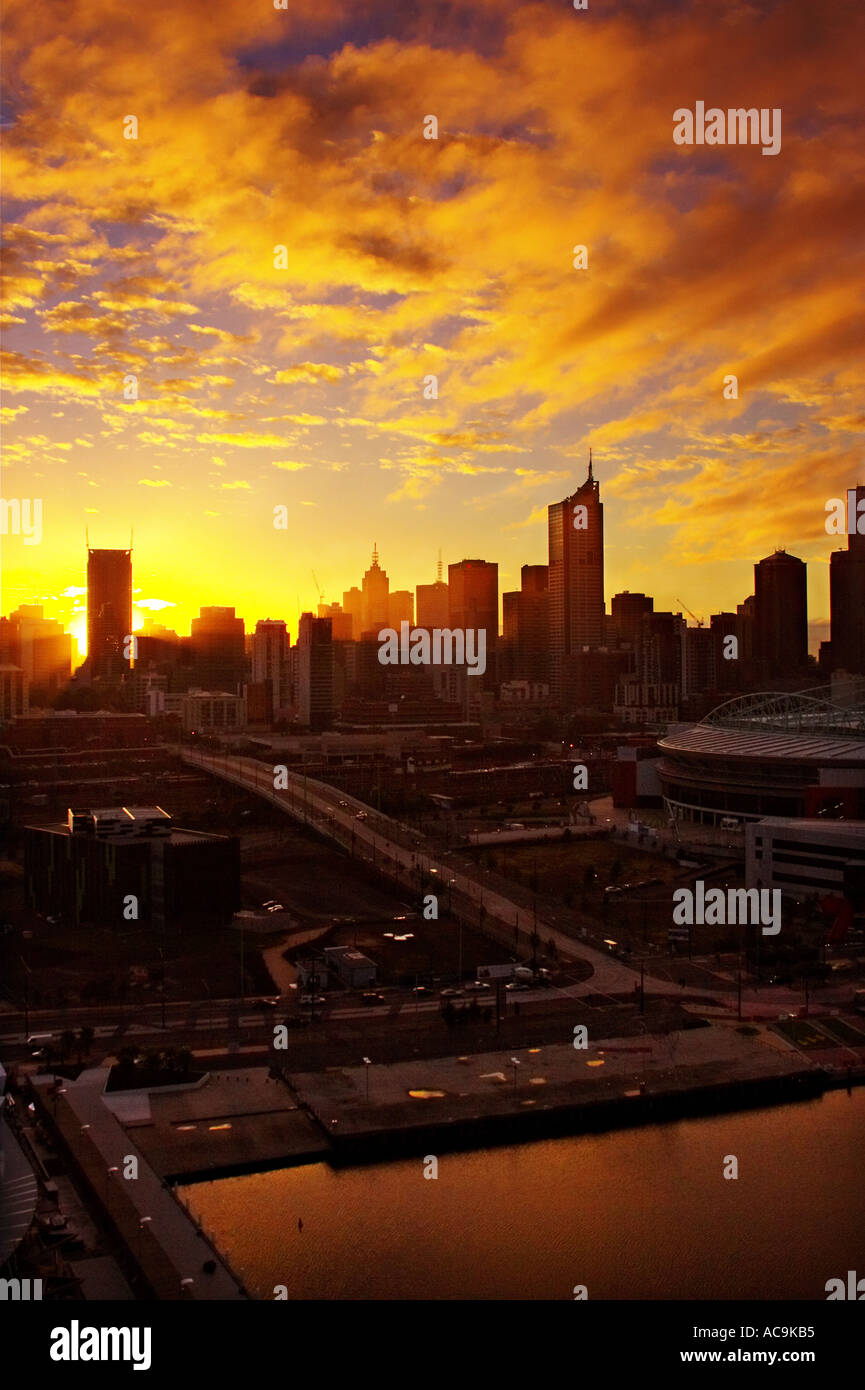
[(770, 754)]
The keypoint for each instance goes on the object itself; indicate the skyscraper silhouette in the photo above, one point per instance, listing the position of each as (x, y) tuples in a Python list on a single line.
[(376, 588), (847, 598), (109, 610), (576, 602), (780, 617)]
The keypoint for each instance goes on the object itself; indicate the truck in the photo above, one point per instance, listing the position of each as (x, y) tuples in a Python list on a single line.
[(511, 971)]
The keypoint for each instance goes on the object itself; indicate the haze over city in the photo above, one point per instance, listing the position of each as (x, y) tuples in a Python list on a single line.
[(406, 256)]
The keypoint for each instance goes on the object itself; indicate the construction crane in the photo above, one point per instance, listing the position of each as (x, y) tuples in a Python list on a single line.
[(698, 621), (318, 587)]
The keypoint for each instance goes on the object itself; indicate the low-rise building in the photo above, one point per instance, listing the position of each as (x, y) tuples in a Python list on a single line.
[(355, 970), (806, 858)]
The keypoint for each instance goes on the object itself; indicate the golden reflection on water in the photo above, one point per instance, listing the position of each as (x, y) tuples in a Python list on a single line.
[(642, 1213)]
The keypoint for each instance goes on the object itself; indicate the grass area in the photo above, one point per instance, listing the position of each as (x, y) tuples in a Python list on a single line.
[(432, 950), (558, 867)]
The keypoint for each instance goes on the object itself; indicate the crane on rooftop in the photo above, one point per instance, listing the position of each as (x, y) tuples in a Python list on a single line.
[(698, 621)]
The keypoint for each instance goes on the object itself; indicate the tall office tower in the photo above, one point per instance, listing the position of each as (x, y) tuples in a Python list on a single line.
[(271, 646), (314, 672), (352, 604), (432, 601), (473, 596), (400, 608), (218, 650), (473, 602), (158, 645), (39, 646), (847, 598), (659, 657), (780, 617), (376, 587), (699, 661), (109, 610), (734, 661), (525, 629), (341, 624), (576, 552), (627, 615)]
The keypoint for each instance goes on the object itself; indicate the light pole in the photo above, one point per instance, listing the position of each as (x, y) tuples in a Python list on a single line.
[(26, 995), (145, 1221), (109, 1173), (367, 1062), (515, 1062), (242, 960)]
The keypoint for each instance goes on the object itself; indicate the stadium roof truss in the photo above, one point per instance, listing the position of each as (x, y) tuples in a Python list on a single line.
[(797, 713)]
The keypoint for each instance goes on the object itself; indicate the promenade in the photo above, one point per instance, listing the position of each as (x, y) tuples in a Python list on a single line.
[(167, 1246)]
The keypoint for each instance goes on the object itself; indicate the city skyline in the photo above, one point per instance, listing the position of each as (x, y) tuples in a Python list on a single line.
[(145, 612), (146, 209)]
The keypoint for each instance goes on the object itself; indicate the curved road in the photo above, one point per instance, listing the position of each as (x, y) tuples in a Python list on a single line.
[(335, 813)]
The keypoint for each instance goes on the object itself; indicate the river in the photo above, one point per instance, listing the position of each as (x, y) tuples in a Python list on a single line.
[(643, 1214)]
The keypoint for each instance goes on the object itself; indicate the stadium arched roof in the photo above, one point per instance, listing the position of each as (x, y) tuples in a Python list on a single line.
[(798, 712)]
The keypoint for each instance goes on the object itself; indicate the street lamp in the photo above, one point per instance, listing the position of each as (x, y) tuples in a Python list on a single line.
[(145, 1221), (367, 1061), (109, 1172), (515, 1062)]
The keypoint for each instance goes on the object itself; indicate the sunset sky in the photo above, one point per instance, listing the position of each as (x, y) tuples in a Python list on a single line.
[(304, 386)]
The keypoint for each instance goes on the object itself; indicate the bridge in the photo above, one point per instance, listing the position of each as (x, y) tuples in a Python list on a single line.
[(400, 853)]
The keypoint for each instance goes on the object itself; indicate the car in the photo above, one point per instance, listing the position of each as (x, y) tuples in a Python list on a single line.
[(514, 985), (271, 902), (265, 1003), (342, 803), (361, 815), (420, 989), (370, 997), (611, 892), (476, 987), (451, 993), (276, 907), (313, 999)]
